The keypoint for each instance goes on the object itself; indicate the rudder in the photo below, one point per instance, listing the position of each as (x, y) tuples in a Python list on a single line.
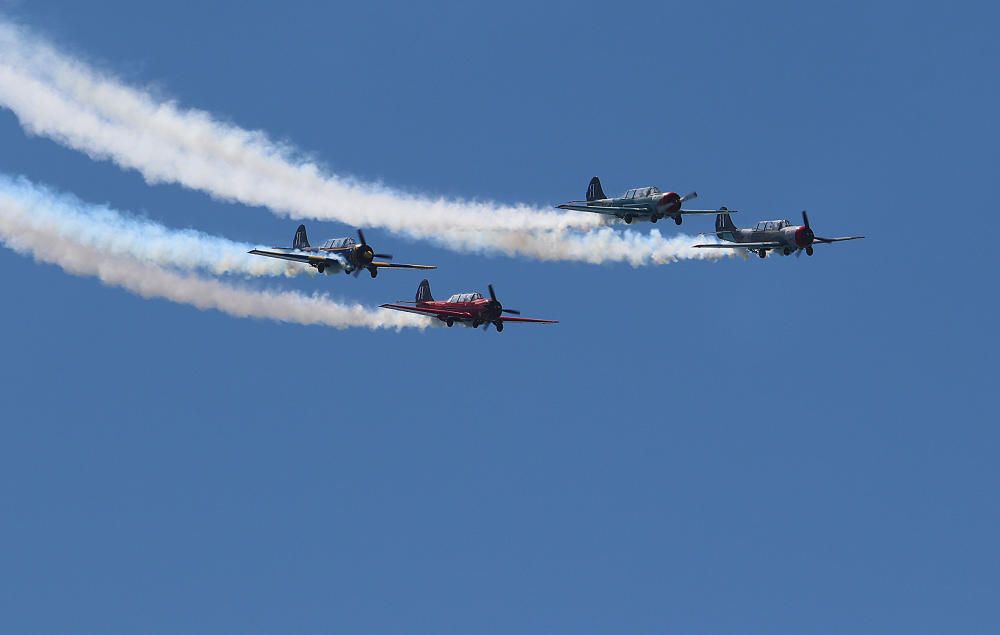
[(300, 241), (594, 191), (723, 221), (424, 292)]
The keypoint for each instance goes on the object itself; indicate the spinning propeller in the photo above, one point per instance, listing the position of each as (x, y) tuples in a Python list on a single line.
[(690, 196), (364, 243), (496, 309), (365, 254)]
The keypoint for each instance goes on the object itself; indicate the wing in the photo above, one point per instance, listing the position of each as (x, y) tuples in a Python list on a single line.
[(771, 245), (605, 209), (836, 240), (462, 315), (298, 256), (389, 265), (635, 211), (504, 318)]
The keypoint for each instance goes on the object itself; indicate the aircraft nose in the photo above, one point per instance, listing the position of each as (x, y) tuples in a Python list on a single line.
[(365, 254), (670, 200), (804, 236)]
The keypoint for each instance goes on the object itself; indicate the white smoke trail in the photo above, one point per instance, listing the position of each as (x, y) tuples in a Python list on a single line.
[(62, 98), (112, 232), (44, 241)]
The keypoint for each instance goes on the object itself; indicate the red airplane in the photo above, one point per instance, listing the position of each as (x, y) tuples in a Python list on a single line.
[(470, 309)]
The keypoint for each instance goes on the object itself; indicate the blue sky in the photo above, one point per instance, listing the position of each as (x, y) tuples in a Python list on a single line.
[(789, 445)]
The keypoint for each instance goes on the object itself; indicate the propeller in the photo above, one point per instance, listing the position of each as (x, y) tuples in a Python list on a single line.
[(689, 196), (804, 236), (366, 248), (363, 252), (811, 238), (497, 307)]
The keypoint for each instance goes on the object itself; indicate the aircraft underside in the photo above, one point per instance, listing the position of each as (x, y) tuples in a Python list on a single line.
[(788, 250), (469, 323)]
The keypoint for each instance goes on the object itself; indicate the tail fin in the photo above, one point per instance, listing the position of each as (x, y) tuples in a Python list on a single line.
[(300, 241), (724, 222), (424, 292), (594, 191)]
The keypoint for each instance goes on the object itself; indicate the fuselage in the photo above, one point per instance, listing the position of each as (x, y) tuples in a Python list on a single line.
[(639, 203), (474, 311), (648, 202), (790, 237), (348, 255)]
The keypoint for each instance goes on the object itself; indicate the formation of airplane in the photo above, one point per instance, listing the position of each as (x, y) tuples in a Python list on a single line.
[(474, 310), (468, 309), (335, 255), (770, 235), (640, 203)]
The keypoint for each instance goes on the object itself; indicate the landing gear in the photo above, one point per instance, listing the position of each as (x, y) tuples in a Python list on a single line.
[(373, 271), (654, 218), (678, 219), (499, 326), (321, 268), (762, 253), (809, 250), (475, 324), (628, 219), (786, 251), (450, 322)]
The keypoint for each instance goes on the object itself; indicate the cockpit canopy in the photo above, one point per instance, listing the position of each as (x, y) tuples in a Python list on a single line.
[(339, 243), (642, 192), (772, 225), (466, 297)]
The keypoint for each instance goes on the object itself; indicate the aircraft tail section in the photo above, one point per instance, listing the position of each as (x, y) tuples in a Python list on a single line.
[(594, 191), (300, 241), (724, 222), (424, 292)]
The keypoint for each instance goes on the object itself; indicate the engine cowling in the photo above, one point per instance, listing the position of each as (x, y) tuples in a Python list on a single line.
[(669, 203), (803, 237), (364, 255), (493, 311)]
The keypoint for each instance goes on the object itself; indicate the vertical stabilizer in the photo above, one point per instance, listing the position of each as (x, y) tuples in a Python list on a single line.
[(300, 241), (594, 191), (724, 224), (424, 292)]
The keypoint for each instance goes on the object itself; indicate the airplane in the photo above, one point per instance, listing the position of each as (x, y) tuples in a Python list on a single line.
[(770, 235), (637, 203), (469, 309), (336, 255)]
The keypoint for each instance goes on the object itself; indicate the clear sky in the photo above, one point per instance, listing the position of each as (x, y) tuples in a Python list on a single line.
[(787, 445)]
